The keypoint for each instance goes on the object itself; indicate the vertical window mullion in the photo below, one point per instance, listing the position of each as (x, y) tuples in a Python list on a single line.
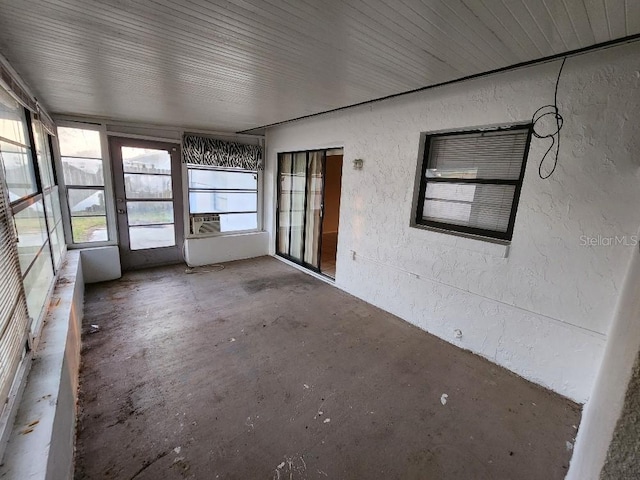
[(290, 203), (304, 207)]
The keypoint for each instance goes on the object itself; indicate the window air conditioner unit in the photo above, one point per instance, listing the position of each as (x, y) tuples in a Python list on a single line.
[(203, 224)]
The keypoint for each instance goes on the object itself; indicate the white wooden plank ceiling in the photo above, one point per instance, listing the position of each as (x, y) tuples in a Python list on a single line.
[(234, 65)]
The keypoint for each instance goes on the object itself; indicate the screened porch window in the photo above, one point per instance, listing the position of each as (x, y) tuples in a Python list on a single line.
[(222, 200), (82, 169)]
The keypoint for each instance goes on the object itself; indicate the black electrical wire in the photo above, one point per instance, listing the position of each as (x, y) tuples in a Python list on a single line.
[(544, 111)]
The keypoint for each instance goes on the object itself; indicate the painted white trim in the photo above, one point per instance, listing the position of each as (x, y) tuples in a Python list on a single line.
[(186, 222), (109, 188), (170, 128), (187, 219), (143, 137), (109, 198), (191, 236)]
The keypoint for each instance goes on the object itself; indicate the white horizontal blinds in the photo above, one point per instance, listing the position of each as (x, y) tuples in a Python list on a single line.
[(13, 313), (487, 207), (494, 155), (472, 179)]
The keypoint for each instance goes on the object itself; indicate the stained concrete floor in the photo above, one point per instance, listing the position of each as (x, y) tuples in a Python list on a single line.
[(260, 371)]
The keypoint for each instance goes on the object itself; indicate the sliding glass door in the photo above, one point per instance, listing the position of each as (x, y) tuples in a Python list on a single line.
[(298, 175), (300, 189), (314, 208)]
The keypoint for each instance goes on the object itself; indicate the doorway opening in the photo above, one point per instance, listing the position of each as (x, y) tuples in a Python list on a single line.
[(331, 218), (148, 192), (309, 186)]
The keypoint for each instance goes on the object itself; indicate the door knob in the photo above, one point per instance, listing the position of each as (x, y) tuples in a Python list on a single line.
[(121, 210)]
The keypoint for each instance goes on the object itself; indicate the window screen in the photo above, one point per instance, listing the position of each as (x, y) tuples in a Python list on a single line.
[(471, 181)]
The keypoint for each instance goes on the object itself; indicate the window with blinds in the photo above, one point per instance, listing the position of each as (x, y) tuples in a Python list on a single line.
[(14, 321), (31, 241), (470, 181)]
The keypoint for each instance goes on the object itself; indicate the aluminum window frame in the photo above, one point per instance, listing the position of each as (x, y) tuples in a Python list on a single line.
[(187, 190), (107, 175), (35, 319), (27, 201), (495, 236)]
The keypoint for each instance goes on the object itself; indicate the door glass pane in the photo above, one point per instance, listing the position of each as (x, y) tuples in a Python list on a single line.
[(284, 203), (314, 205), (147, 186), (151, 236), (89, 229), (147, 176), (145, 160), (298, 182), (149, 213)]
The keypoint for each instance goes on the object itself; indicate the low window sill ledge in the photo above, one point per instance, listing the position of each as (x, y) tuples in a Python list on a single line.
[(41, 445)]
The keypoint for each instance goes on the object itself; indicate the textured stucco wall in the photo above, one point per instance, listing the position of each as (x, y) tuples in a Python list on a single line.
[(541, 307), (623, 458), (602, 411)]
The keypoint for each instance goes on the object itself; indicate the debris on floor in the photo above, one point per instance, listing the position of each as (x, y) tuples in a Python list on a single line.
[(159, 399)]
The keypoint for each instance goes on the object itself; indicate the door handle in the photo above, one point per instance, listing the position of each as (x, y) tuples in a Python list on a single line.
[(122, 210)]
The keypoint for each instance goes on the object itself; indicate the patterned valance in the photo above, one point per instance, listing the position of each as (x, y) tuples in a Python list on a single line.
[(217, 153)]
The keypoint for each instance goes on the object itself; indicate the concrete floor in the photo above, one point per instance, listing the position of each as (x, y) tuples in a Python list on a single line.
[(260, 371)]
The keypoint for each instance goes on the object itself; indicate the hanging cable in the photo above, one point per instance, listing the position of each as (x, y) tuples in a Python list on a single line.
[(545, 111)]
